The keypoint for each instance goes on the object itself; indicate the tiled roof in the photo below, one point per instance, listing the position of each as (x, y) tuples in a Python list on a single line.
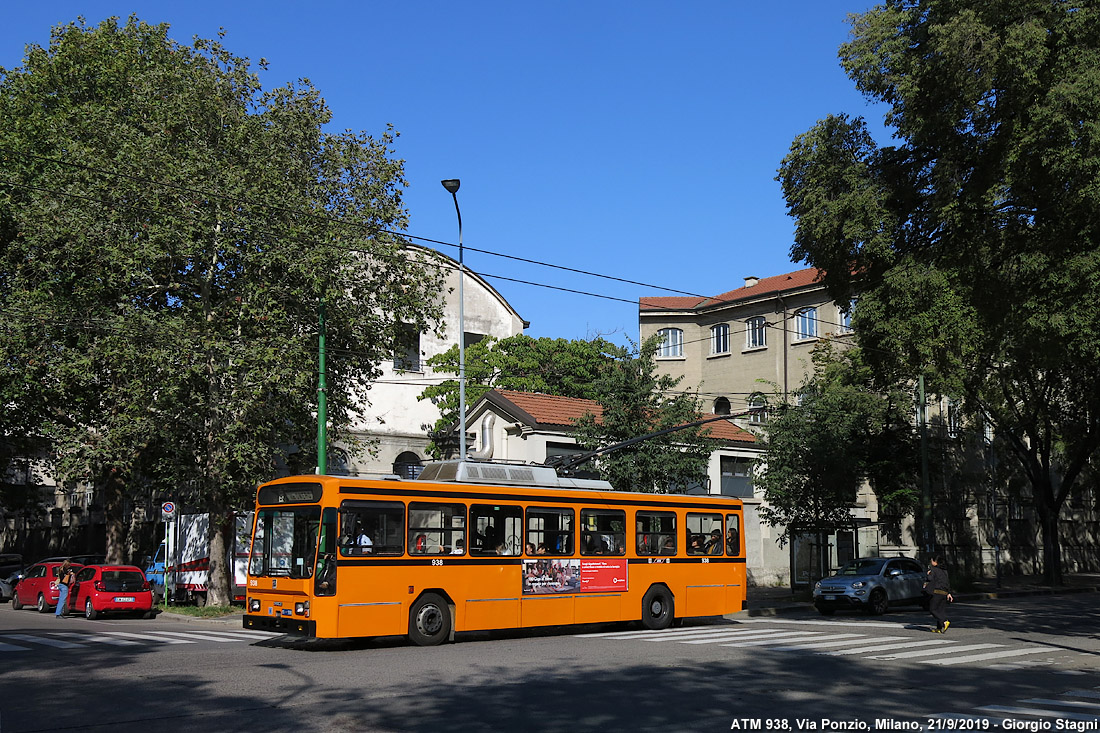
[(765, 286), (565, 411)]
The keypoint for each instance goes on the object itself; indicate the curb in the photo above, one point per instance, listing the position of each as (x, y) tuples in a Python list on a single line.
[(807, 607)]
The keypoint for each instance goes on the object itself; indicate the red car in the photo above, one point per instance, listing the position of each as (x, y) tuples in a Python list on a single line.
[(111, 589), (38, 587)]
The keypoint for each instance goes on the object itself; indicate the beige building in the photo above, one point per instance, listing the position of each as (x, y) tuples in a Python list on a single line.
[(750, 348)]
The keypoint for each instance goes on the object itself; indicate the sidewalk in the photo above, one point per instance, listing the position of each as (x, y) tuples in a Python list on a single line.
[(781, 601)]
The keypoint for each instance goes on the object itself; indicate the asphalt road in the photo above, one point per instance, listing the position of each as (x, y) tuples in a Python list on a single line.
[(1034, 661)]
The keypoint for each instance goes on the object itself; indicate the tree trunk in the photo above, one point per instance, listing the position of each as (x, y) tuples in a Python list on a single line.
[(219, 581), (114, 505), (1052, 549)]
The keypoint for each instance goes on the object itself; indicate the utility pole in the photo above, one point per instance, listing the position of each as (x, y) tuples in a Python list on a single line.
[(322, 396)]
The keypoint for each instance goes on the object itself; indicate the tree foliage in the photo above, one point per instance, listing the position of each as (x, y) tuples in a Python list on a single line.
[(562, 367), (168, 230), (843, 431), (635, 401), (973, 240)]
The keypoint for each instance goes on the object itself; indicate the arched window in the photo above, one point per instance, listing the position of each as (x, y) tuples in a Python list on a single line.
[(407, 465), (721, 406), (672, 343), (758, 402), (756, 333), (339, 464), (720, 338), (806, 324)]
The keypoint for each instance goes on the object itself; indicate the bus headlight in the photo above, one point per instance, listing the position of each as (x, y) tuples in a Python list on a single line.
[(254, 605), (302, 609)]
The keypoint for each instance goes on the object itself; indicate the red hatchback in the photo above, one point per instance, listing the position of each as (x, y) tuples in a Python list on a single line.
[(38, 587), (111, 589)]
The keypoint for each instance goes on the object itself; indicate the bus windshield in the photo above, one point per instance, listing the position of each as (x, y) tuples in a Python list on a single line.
[(285, 541)]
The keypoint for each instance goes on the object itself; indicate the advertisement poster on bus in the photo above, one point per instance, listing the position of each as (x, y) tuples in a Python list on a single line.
[(573, 576)]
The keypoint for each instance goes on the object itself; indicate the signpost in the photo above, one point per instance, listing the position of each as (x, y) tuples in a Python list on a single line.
[(168, 514)]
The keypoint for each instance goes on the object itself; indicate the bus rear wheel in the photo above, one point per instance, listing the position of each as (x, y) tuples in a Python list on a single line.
[(657, 608), (429, 620)]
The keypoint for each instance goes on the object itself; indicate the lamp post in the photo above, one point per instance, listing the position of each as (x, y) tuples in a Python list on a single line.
[(452, 184)]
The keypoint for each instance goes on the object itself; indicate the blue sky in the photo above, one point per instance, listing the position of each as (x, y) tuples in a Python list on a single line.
[(634, 139)]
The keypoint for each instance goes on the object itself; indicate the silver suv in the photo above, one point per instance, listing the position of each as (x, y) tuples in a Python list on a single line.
[(872, 584)]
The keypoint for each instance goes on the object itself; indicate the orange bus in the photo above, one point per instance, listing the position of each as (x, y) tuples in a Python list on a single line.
[(477, 546)]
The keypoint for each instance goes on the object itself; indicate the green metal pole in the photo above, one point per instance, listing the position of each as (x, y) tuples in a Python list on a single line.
[(322, 397), (926, 489)]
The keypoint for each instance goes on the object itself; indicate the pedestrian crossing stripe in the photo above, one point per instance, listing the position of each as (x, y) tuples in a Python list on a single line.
[(940, 651), (78, 640), (1026, 711)]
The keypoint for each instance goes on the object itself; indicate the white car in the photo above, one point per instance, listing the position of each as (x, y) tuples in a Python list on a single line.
[(871, 584)]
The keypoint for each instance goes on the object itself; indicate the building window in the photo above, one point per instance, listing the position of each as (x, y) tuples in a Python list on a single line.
[(721, 406), (954, 418), (720, 338), (806, 324), (755, 333), (672, 342), (406, 351), (759, 404), (407, 465), (736, 476), (469, 339), (844, 317)]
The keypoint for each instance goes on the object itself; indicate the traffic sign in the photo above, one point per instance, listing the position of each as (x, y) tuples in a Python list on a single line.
[(168, 510)]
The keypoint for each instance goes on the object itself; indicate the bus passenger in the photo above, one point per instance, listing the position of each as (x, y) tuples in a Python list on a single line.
[(364, 542), (530, 547), (460, 547), (541, 550), (714, 544), (669, 547)]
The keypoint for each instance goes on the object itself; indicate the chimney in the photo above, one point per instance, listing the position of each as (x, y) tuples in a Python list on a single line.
[(751, 280)]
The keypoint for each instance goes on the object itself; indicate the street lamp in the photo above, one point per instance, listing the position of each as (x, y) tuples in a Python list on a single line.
[(452, 184)]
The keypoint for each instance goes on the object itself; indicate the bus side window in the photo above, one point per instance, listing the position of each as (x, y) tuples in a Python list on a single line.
[(704, 534), (497, 530), (550, 530), (603, 532), (657, 531), (372, 528), (436, 529), (733, 534)]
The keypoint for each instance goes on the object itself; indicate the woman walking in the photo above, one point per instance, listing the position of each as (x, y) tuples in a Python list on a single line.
[(939, 589)]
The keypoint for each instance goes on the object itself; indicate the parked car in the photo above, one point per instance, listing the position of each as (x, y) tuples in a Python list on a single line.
[(872, 584), (11, 566), (7, 586), (103, 589), (38, 586)]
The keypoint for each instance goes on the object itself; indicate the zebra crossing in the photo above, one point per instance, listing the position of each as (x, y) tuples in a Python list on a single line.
[(841, 639), (11, 643), (1076, 709)]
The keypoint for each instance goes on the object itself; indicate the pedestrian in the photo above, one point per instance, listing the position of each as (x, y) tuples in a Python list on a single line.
[(65, 577), (938, 588)]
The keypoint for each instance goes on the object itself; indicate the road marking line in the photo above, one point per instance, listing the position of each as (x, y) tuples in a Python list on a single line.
[(1067, 703), (1082, 693), (847, 642), (942, 650), (983, 657), (747, 635), (240, 636), (794, 636), (44, 641), (192, 635), (95, 637), (1037, 712), (13, 648), (886, 647), (694, 630), (149, 637), (862, 624), (667, 635)]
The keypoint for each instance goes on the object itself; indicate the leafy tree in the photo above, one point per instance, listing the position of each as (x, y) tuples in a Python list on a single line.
[(562, 367), (842, 432), (973, 240), (635, 401), (169, 229)]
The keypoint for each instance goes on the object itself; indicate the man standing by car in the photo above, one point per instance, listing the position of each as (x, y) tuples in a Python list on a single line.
[(65, 578), (938, 587)]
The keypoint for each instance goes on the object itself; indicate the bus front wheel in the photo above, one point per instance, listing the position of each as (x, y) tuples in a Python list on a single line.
[(429, 620), (657, 608)]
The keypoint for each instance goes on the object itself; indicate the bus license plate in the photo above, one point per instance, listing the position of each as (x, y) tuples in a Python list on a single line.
[(124, 599)]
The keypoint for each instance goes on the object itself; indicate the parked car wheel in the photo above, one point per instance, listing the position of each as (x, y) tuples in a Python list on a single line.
[(89, 610), (878, 603), (16, 603), (42, 606), (148, 615)]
